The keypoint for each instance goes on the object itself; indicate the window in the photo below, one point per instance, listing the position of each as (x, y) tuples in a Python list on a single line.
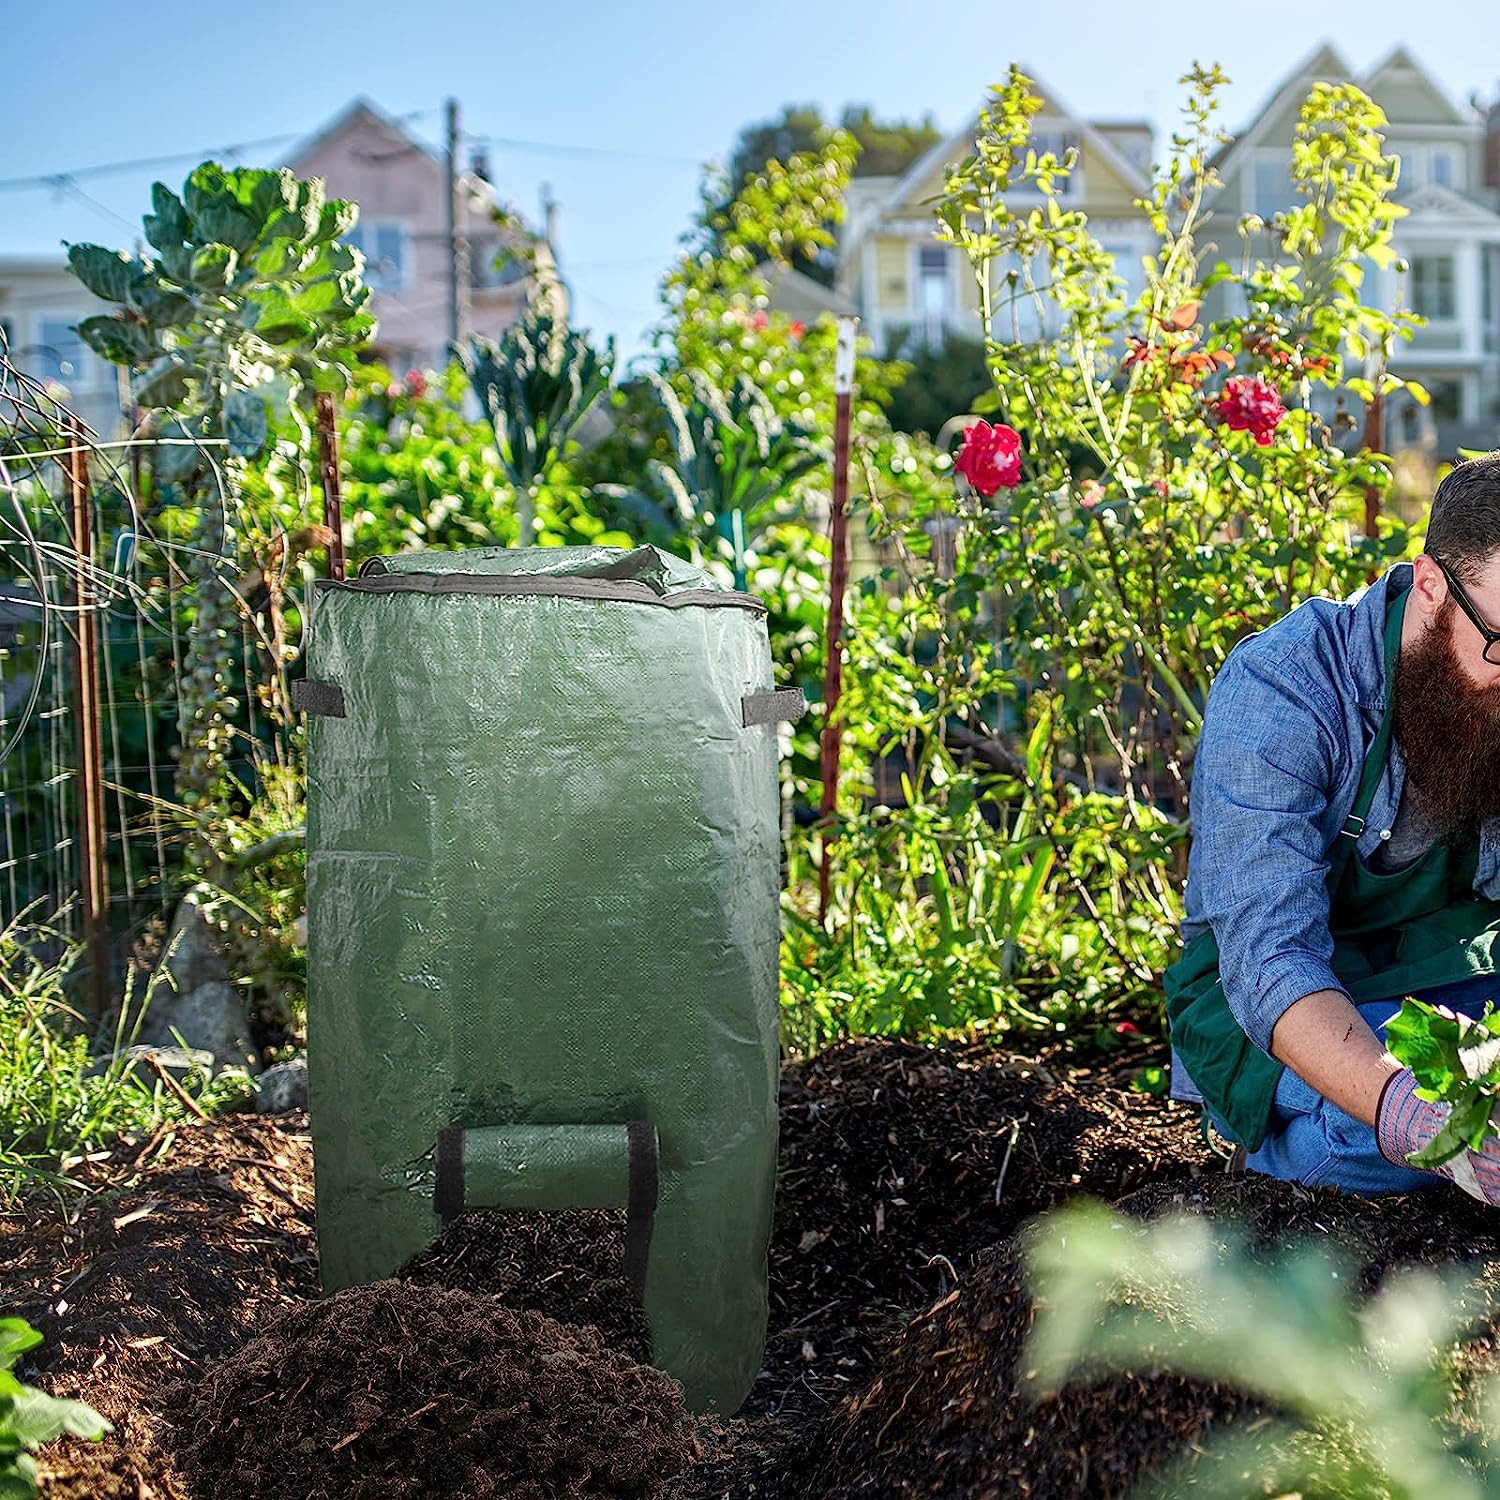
[(60, 355), (1127, 259), (1432, 287), (1271, 185), (383, 244), (1441, 167), (934, 292)]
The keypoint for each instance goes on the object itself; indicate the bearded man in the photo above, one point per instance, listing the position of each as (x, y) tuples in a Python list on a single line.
[(1345, 807)]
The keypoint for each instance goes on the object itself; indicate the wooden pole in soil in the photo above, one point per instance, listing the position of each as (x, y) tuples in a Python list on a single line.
[(93, 876), (1374, 443), (328, 464), (833, 679)]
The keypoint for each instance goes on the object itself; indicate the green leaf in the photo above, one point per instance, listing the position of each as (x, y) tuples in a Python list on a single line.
[(245, 423), (18, 1478), (165, 383), (338, 217), (123, 343), (1419, 393), (279, 257), (227, 226), (271, 193), (160, 305), (34, 1418), (1427, 1043), (176, 462), (16, 1337), (168, 226), (106, 273), (214, 266)]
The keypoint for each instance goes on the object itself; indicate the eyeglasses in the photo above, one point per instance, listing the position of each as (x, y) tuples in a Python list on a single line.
[(1491, 637)]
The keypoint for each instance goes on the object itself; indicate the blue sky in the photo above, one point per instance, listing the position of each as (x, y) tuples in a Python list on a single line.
[(615, 105)]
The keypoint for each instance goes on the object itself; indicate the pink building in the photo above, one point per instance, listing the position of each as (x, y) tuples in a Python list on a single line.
[(401, 187)]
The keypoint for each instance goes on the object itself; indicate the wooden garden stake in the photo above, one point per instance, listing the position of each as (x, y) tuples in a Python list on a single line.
[(328, 463), (93, 876), (843, 387)]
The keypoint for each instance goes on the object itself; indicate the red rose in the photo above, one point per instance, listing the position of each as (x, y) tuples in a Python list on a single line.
[(1127, 1028), (797, 329), (759, 320), (1250, 404), (990, 457), (416, 383)]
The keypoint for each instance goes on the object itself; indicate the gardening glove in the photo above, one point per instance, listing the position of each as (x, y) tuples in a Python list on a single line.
[(1404, 1123)]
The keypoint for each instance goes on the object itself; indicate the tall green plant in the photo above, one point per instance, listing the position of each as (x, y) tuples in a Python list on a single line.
[(535, 386), (248, 298), (734, 460)]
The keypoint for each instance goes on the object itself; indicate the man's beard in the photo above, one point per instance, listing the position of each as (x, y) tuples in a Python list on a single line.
[(1448, 730)]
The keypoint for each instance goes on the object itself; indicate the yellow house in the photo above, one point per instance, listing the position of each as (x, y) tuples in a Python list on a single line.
[(910, 287), (1449, 183)]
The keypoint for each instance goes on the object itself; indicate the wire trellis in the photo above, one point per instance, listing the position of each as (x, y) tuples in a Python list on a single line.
[(132, 577)]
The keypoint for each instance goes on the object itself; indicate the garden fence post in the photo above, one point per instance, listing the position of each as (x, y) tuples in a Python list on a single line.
[(93, 877), (843, 387), (328, 463)]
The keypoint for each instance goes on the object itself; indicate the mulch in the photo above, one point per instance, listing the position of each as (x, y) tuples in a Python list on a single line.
[(180, 1298)]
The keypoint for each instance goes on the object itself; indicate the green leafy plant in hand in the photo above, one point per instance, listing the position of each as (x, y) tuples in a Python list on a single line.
[(1456, 1061), (29, 1417)]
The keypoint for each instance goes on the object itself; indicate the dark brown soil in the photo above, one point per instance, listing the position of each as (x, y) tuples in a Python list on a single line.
[(392, 1391), (897, 1310), (570, 1266)]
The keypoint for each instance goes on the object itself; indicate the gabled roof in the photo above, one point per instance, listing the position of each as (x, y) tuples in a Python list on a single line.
[(358, 110), (1324, 61), (961, 142), (1400, 60), (1446, 206)]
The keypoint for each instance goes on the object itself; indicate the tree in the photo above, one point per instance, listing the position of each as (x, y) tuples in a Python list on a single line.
[(884, 148)]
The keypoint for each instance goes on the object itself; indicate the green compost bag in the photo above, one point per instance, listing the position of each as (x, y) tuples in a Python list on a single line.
[(543, 884)]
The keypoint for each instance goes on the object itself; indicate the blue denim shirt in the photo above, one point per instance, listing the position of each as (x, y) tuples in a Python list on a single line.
[(1285, 730)]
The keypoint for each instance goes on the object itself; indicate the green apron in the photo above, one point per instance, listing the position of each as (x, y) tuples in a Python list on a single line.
[(1393, 935)]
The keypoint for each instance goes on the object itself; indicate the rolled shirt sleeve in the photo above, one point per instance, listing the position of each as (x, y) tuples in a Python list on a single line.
[(1267, 763)]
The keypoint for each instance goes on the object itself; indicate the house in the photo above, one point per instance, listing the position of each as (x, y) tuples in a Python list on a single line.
[(401, 186), (909, 285), (41, 302), (1449, 182)]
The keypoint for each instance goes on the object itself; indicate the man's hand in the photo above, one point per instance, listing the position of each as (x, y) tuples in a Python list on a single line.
[(1405, 1123)]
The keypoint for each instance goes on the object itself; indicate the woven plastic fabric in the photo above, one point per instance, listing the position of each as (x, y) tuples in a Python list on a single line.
[(543, 889)]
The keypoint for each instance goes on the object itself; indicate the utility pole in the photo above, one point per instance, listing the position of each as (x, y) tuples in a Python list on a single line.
[(458, 242)]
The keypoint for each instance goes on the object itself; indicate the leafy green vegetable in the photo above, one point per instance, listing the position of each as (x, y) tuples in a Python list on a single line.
[(29, 1417), (1456, 1061)]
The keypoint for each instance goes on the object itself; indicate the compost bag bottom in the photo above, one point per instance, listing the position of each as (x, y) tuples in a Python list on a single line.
[(400, 1391), (568, 1264)]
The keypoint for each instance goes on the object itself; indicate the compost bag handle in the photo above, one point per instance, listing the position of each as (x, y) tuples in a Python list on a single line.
[(555, 1167)]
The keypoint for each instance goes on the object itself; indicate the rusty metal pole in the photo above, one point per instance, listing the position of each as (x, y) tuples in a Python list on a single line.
[(328, 464), (93, 876), (833, 678)]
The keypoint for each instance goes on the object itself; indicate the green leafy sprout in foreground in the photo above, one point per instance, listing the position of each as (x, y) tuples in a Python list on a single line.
[(1363, 1390), (29, 1417)]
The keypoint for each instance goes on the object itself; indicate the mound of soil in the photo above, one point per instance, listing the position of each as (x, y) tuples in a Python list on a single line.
[(179, 1298), (395, 1391), (186, 1240), (952, 1414), (570, 1266)]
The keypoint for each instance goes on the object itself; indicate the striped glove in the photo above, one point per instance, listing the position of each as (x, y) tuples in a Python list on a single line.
[(1405, 1123)]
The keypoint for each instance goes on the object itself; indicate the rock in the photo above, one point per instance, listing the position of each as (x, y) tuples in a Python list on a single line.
[(194, 998), (178, 1061), (283, 1088)]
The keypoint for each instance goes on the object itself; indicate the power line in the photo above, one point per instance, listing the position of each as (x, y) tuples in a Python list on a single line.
[(141, 163), (559, 148)]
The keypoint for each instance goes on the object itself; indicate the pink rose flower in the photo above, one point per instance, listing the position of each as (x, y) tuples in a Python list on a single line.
[(1250, 404), (990, 457)]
